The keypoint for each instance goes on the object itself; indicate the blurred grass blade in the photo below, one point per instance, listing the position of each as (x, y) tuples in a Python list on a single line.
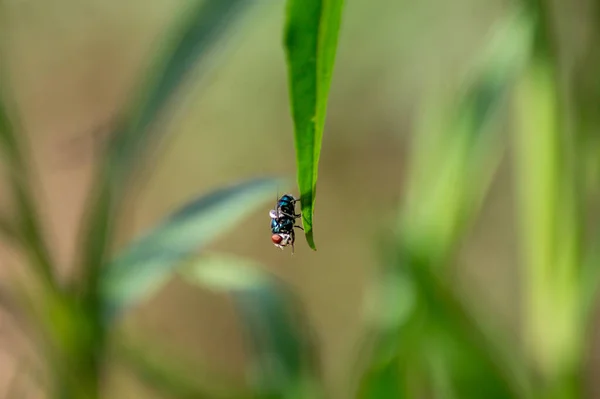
[(467, 355), (385, 381), (198, 30), (284, 361), (469, 349), (391, 307), (551, 229), (191, 43), (458, 146), (147, 263), (440, 345), (28, 230), (311, 36)]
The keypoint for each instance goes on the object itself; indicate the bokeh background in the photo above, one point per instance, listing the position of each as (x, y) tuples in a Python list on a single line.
[(73, 65)]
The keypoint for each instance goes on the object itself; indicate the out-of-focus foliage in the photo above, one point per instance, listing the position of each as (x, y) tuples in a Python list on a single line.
[(284, 359), (436, 345), (427, 337), (74, 326), (550, 229), (195, 35), (25, 228), (145, 265)]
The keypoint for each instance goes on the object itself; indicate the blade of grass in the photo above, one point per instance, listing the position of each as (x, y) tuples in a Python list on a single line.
[(458, 147), (189, 44), (201, 24), (285, 365), (390, 366), (480, 353), (550, 165), (149, 261), (28, 230), (385, 381), (311, 36), (65, 343), (459, 348), (550, 231)]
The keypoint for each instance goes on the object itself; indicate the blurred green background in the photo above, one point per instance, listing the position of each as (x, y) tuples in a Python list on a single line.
[(73, 64)]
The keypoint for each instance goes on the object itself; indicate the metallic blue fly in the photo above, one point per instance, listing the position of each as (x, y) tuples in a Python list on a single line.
[(283, 222)]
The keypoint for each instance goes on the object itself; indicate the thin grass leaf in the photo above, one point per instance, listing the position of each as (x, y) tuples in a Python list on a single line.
[(440, 342), (458, 146), (148, 262), (190, 43), (284, 364), (28, 230), (384, 382), (470, 350), (311, 36), (384, 360), (550, 160), (550, 229)]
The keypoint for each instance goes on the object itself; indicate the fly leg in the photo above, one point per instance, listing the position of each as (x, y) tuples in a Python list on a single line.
[(290, 215), (293, 236)]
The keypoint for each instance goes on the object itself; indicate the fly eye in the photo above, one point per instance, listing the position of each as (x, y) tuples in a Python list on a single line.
[(276, 238)]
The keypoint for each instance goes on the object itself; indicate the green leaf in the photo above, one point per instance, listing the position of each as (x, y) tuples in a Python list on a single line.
[(552, 230), (311, 36), (200, 26), (469, 348), (443, 345), (147, 263), (458, 146), (383, 382), (27, 230), (284, 362)]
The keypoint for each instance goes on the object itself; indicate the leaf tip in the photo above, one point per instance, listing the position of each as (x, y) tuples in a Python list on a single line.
[(310, 239)]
